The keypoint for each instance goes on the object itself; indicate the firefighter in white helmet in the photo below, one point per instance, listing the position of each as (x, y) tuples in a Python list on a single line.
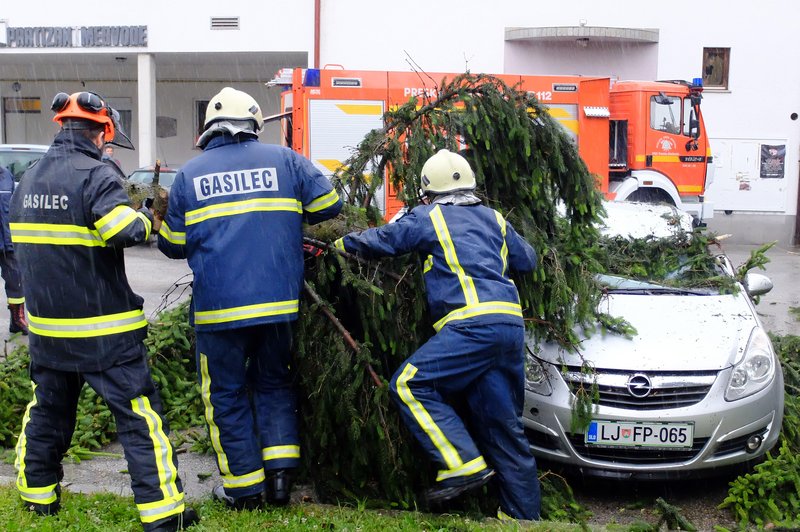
[(478, 347), (236, 213)]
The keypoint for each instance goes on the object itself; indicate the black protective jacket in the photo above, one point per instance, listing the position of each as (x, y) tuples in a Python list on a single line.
[(70, 219)]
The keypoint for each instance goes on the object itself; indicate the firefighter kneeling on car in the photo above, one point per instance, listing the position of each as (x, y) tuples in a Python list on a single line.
[(70, 220), (478, 347)]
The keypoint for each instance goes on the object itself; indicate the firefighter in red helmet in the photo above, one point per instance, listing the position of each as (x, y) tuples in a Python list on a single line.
[(70, 220)]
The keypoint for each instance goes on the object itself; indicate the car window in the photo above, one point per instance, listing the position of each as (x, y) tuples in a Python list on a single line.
[(19, 161), (166, 178), (146, 178)]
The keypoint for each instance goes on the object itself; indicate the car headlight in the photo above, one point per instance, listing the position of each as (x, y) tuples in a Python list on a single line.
[(536, 378), (755, 371)]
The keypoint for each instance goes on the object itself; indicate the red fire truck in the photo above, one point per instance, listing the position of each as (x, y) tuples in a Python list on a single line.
[(645, 140)]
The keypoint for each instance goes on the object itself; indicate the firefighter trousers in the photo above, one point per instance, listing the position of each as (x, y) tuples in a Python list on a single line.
[(248, 389), (49, 423), (483, 365)]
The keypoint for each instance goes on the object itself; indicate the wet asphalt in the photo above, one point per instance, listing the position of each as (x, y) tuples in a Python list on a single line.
[(161, 281)]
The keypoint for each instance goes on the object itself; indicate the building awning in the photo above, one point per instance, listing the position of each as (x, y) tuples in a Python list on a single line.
[(584, 34)]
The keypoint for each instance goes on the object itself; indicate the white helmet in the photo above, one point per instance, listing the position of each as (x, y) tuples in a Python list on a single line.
[(447, 172), (232, 104)]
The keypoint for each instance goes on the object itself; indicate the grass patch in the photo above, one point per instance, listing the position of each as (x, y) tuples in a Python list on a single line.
[(110, 513)]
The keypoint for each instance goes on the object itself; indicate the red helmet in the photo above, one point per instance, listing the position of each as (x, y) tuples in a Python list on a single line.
[(90, 106)]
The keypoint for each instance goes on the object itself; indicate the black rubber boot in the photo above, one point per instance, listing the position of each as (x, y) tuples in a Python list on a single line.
[(452, 488), (251, 502), (278, 490), (173, 523)]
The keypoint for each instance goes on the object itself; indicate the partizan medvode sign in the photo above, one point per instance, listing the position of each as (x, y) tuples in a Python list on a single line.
[(77, 37)]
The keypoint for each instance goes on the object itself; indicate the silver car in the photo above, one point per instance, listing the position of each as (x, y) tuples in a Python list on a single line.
[(19, 157), (697, 389)]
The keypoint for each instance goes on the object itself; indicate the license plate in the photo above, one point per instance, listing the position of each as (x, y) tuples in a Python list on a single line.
[(642, 434)]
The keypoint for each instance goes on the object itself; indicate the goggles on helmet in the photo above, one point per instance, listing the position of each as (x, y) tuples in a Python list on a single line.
[(90, 106)]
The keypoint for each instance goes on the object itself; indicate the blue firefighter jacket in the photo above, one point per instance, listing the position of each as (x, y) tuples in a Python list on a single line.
[(468, 250), (6, 189), (236, 213)]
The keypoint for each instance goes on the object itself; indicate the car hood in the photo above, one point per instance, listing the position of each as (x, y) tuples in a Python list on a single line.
[(685, 332)]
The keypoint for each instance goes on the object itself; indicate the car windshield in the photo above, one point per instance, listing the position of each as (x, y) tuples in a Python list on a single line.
[(624, 285), (145, 177), (644, 251)]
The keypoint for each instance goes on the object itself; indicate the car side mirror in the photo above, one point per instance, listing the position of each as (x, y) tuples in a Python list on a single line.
[(757, 284)]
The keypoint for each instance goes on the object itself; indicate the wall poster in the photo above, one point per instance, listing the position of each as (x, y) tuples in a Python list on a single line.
[(773, 161)]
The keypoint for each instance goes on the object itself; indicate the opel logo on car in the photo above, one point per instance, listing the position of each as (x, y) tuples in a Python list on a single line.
[(639, 385)]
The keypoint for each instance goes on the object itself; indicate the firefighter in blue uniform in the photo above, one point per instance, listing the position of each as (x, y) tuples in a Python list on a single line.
[(236, 213), (70, 220), (478, 346), (8, 261)]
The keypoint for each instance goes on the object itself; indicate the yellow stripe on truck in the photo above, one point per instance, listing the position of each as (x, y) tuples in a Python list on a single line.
[(360, 108), (659, 158)]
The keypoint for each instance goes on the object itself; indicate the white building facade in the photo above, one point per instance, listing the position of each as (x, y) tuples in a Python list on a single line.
[(160, 62)]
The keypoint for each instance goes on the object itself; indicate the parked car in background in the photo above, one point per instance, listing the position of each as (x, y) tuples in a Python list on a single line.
[(144, 176), (18, 157), (696, 390)]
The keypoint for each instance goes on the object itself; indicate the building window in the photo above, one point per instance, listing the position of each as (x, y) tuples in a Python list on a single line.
[(200, 115), (715, 67)]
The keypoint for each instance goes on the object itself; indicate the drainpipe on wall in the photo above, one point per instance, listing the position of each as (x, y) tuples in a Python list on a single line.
[(317, 10)]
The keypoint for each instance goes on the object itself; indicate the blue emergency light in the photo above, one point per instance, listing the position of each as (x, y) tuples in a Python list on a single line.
[(311, 78)]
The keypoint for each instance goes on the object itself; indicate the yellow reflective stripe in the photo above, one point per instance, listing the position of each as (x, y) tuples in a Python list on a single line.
[(322, 202), (502, 516), (162, 448), (118, 219), (247, 312), (213, 430), (19, 460), (488, 307), (87, 327), (690, 188), (440, 441), (173, 237), (467, 285), (45, 495), (428, 264), (504, 250), (280, 451), (57, 234), (464, 470), (242, 481), (148, 225), (153, 511), (659, 158), (339, 244), (241, 207), (16, 300)]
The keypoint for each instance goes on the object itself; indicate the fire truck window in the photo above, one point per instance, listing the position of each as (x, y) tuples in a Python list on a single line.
[(665, 116), (715, 67), (687, 115)]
